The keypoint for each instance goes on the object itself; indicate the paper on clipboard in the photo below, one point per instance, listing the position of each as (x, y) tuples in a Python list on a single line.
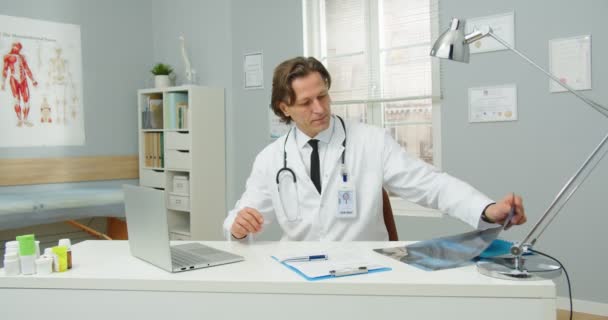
[(337, 260)]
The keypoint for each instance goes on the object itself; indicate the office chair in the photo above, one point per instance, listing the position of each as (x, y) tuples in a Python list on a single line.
[(389, 219)]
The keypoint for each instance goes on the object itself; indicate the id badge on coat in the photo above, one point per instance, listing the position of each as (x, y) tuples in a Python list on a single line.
[(347, 201)]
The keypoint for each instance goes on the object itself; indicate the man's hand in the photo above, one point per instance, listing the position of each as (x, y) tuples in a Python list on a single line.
[(499, 211), (247, 221), (2, 88), (35, 83)]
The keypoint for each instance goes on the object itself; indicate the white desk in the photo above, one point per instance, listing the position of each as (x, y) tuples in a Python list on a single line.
[(107, 282)]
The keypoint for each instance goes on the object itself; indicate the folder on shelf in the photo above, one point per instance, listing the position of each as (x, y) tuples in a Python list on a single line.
[(335, 264), (162, 150), (153, 149), (182, 108), (155, 113), (147, 148), (144, 114), (179, 117), (157, 149), (174, 99)]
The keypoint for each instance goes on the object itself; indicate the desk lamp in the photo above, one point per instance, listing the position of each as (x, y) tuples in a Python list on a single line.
[(453, 44)]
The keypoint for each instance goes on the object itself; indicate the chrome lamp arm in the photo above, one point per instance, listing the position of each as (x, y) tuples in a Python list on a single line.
[(453, 44), (579, 176), (448, 46)]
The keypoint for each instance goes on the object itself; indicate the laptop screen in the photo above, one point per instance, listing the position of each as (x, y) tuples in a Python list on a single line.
[(145, 210)]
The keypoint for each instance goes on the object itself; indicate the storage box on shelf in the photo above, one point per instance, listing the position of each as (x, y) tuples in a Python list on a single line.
[(182, 151), (181, 185)]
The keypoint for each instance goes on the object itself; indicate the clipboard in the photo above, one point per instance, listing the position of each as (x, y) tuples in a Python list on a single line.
[(337, 265)]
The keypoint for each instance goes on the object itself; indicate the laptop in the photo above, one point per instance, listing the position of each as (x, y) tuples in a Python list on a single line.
[(148, 229)]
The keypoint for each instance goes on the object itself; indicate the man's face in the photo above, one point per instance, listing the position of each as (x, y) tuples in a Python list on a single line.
[(310, 110)]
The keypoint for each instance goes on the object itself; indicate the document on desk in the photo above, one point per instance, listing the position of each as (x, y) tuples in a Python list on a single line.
[(335, 263)]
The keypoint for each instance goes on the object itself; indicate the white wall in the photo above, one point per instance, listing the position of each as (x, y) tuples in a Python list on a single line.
[(116, 53)]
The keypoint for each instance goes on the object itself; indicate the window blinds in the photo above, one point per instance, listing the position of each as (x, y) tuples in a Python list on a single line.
[(375, 50)]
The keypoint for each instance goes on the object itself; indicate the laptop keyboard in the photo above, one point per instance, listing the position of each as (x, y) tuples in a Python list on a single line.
[(183, 258), (190, 254), (197, 248)]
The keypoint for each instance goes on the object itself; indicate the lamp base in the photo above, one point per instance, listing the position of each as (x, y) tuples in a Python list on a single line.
[(527, 267)]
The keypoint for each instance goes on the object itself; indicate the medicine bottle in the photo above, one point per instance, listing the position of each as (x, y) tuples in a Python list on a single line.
[(27, 253), (12, 266), (67, 243)]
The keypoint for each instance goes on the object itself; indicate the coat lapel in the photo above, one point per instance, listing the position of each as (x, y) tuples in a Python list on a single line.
[(294, 162), (333, 160)]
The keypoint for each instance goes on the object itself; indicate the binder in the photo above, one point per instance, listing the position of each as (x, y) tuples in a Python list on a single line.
[(338, 264), (155, 113), (173, 100)]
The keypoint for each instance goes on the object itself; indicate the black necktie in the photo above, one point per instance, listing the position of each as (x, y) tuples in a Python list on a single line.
[(315, 172)]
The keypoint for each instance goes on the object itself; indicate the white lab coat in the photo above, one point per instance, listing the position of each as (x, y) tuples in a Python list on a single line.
[(373, 160)]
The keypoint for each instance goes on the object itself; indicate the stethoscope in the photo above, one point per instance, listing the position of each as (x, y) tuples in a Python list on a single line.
[(293, 175)]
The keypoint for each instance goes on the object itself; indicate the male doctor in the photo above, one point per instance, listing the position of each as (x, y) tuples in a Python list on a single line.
[(323, 180)]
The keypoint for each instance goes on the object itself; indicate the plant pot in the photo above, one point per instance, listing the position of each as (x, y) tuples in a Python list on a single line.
[(162, 81)]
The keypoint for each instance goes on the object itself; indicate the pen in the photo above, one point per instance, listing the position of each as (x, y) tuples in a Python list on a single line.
[(348, 271), (507, 223), (307, 258)]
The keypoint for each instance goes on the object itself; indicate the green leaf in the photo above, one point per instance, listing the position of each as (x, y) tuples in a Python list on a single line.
[(161, 69)]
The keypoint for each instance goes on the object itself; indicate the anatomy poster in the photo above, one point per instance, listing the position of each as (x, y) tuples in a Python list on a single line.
[(41, 89)]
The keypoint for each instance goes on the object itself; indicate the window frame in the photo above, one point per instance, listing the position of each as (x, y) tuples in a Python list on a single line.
[(314, 47)]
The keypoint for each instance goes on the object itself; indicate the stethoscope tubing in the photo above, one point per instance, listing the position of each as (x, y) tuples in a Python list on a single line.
[(292, 173)]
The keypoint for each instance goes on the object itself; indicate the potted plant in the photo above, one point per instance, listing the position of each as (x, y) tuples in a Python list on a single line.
[(161, 74)]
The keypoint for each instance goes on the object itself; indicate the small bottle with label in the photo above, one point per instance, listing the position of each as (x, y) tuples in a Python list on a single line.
[(12, 266), (37, 249), (44, 265), (27, 253), (67, 243), (61, 264), (11, 247), (48, 252)]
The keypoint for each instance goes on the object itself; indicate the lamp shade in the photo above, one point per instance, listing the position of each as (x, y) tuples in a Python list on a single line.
[(451, 44)]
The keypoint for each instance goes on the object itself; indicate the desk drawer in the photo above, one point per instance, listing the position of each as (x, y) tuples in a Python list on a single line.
[(177, 159), (151, 178), (178, 140)]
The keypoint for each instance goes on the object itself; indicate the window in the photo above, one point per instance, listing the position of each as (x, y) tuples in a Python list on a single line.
[(377, 52)]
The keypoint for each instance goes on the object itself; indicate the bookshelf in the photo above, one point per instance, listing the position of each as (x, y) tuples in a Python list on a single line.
[(182, 151)]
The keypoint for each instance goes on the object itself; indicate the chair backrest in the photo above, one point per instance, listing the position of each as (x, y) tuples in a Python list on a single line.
[(389, 219)]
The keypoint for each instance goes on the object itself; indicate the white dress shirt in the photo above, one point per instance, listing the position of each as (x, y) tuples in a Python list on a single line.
[(306, 150)]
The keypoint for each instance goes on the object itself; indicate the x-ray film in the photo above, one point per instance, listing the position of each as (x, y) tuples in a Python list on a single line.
[(446, 252)]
